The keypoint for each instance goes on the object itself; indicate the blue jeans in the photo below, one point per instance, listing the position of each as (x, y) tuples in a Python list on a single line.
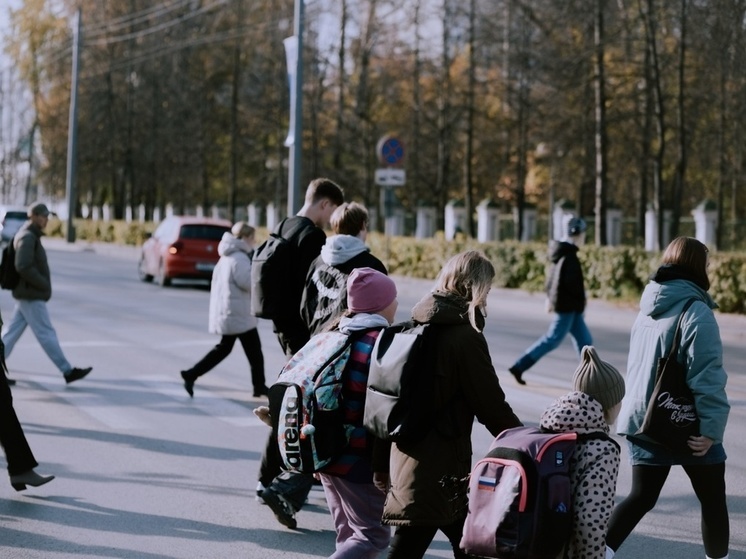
[(562, 324), (34, 313)]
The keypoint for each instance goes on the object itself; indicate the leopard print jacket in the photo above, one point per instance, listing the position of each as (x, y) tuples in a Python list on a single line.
[(593, 470)]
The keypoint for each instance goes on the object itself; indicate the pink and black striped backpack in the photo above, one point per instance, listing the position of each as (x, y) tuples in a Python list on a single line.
[(520, 495)]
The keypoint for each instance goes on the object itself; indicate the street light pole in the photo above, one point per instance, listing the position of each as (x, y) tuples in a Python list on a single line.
[(295, 163), (72, 132)]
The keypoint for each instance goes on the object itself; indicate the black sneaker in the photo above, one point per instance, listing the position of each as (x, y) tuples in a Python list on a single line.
[(283, 511), (188, 383), (262, 391), (518, 375), (76, 373)]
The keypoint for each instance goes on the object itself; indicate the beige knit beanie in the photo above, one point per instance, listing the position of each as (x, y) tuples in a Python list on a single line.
[(598, 379)]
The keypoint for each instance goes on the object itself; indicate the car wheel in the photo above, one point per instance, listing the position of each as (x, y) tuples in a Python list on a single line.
[(161, 279), (141, 273)]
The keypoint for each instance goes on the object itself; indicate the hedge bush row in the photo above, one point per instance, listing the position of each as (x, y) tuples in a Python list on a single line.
[(611, 273)]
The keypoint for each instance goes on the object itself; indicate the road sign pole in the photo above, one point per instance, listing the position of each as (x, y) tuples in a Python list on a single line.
[(295, 163), (72, 133)]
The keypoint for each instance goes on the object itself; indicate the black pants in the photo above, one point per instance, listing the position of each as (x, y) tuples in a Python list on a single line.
[(708, 482), (291, 485), (252, 347), (411, 542), (17, 451)]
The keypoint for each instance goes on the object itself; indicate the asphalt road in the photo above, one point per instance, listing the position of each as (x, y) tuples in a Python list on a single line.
[(145, 472)]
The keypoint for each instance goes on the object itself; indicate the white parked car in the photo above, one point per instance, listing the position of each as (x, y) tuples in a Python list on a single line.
[(11, 219)]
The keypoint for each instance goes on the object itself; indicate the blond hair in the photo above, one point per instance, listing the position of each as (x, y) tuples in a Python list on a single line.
[(349, 219), (469, 275), (242, 229)]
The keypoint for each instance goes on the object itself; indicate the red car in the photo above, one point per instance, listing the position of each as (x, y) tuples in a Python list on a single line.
[(182, 247)]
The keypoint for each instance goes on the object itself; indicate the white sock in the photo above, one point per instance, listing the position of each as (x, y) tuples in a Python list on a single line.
[(707, 556), (609, 553)]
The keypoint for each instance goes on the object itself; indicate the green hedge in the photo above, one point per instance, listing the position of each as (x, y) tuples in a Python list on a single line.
[(611, 273)]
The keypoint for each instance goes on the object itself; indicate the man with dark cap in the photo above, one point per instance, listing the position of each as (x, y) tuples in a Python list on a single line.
[(33, 291), (565, 298)]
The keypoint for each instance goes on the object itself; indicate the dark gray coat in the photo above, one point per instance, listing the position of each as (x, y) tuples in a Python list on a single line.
[(31, 262)]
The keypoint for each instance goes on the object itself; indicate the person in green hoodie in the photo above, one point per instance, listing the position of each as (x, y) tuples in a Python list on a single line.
[(682, 277)]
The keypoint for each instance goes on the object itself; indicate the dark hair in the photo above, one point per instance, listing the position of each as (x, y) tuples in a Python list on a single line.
[(349, 219), (690, 256), (324, 188)]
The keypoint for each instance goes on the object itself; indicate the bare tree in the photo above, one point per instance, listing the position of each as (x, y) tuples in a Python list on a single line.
[(599, 86)]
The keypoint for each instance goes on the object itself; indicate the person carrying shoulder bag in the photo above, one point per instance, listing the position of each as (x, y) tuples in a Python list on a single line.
[(681, 278)]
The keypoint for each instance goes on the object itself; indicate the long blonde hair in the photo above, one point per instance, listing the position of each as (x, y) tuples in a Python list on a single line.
[(469, 275)]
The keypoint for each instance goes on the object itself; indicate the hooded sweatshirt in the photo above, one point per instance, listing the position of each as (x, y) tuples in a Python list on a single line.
[(230, 291), (325, 293), (565, 289), (701, 350)]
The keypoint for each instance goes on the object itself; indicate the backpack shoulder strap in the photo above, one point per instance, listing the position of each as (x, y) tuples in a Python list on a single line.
[(677, 334), (294, 232)]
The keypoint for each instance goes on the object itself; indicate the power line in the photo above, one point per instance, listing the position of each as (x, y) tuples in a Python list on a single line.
[(132, 19), (156, 28), (160, 50)]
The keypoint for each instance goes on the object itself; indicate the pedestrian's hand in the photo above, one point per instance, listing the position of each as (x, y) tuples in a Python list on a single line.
[(262, 412), (381, 481), (699, 445)]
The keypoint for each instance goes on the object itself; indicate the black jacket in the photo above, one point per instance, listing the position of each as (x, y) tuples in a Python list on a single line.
[(565, 288), (325, 294)]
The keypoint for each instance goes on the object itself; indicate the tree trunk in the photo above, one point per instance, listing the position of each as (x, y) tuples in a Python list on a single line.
[(681, 156), (647, 13), (341, 61), (469, 155), (600, 120), (444, 110)]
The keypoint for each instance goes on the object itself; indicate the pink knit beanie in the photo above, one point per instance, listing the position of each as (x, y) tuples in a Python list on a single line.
[(369, 291)]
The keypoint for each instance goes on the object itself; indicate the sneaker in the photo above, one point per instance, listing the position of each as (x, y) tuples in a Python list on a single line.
[(284, 513), (259, 492), (262, 391), (518, 375), (76, 373), (188, 383)]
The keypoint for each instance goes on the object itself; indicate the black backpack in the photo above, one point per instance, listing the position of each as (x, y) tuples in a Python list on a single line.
[(9, 276), (273, 272)]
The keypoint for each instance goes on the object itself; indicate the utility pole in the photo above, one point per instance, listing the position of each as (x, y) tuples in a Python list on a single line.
[(72, 131), (295, 136)]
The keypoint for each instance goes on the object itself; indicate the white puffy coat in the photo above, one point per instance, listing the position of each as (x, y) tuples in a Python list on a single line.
[(230, 292)]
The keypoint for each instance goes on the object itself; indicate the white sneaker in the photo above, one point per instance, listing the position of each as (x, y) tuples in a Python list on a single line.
[(259, 490)]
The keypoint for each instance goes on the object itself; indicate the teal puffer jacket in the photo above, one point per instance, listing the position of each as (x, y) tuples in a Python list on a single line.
[(701, 349)]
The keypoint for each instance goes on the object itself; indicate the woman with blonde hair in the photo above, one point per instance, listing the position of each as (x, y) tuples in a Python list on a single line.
[(230, 310), (681, 280), (427, 477)]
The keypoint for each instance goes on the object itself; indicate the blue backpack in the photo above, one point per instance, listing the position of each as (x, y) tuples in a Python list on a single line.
[(305, 404)]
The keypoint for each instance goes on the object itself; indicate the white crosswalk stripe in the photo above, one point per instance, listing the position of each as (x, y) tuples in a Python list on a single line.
[(115, 415)]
